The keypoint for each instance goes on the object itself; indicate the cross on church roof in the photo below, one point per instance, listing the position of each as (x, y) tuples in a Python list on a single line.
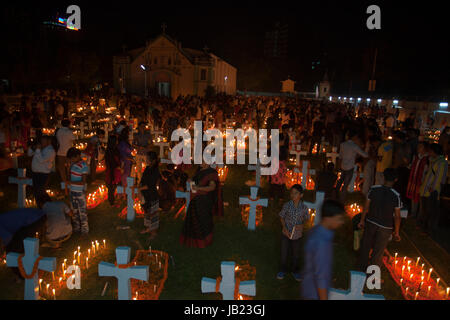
[(205, 48), (163, 27)]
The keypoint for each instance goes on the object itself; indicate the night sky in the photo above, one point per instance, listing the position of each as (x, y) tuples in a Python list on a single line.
[(413, 44)]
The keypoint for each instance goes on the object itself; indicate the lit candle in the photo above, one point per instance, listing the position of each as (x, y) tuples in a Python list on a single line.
[(54, 294), (79, 254), (74, 262), (429, 274), (78, 248), (395, 256), (404, 258), (87, 263), (423, 265), (417, 262), (136, 295), (420, 285), (415, 297), (395, 264), (65, 263), (154, 288), (53, 275), (64, 275), (401, 282), (40, 282), (409, 261), (411, 276), (406, 291), (48, 286), (437, 282), (409, 269), (428, 293), (160, 264), (74, 254), (96, 245), (104, 243), (59, 281), (447, 292)]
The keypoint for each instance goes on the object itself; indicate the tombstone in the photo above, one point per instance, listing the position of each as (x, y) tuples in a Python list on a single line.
[(357, 283), (253, 202), (317, 205), (305, 173), (257, 169), (22, 181), (333, 155), (31, 257), (123, 272), (297, 151), (228, 283), (161, 146), (129, 190), (185, 194), (351, 186)]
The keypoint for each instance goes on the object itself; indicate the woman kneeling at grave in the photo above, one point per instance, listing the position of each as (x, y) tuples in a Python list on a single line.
[(206, 201), (293, 215)]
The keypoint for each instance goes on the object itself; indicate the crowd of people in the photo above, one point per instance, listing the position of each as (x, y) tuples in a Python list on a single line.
[(400, 169)]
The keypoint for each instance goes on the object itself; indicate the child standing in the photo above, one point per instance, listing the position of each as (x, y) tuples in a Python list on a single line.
[(78, 173), (293, 215)]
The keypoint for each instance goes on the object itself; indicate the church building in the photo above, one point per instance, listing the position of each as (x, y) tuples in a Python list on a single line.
[(164, 67)]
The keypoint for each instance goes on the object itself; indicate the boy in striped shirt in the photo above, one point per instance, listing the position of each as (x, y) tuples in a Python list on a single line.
[(78, 173)]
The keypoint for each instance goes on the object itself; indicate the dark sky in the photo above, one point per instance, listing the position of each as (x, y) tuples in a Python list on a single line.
[(413, 45)]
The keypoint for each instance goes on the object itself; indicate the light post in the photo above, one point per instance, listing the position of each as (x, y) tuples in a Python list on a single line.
[(145, 79)]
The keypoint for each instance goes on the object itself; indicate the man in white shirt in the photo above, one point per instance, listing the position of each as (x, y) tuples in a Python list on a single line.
[(65, 138), (41, 165), (348, 152)]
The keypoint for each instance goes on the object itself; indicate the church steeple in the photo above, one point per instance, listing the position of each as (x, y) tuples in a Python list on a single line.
[(163, 27)]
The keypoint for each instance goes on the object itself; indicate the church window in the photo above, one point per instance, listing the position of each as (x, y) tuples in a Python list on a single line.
[(203, 75)]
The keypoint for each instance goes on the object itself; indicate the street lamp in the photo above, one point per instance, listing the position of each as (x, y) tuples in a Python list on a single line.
[(145, 79)]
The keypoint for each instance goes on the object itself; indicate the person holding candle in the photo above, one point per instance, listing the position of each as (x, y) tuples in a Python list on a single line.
[(293, 215), (148, 188), (380, 220)]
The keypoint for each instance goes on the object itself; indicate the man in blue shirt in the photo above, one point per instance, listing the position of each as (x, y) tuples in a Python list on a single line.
[(319, 252)]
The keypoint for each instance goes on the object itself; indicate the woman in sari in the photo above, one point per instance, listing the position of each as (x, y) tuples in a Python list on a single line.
[(206, 201)]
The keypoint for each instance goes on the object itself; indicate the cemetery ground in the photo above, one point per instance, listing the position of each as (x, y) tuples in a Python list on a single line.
[(232, 241)]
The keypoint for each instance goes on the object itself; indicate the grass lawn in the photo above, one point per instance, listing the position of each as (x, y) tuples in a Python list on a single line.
[(232, 241)]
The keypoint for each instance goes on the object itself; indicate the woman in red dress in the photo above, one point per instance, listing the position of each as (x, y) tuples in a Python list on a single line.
[(206, 202)]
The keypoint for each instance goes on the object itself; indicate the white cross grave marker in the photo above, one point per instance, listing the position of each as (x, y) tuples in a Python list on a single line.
[(123, 272), (186, 195), (317, 205), (305, 172), (333, 155), (298, 152), (129, 190), (22, 182), (357, 283), (257, 169), (31, 247), (228, 283), (253, 202)]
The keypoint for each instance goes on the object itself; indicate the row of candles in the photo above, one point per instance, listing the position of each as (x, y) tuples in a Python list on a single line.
[(297, 178), (79, 259), (413, 278)]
